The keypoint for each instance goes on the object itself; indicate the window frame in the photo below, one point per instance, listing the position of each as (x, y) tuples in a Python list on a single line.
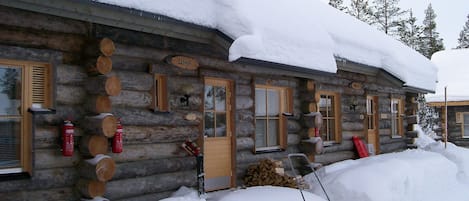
[(398, 115), (27, 100), (285, 106), (462, 124), (159, 92), (337, 114)]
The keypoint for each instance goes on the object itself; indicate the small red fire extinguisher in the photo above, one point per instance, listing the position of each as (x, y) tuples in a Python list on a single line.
[(67, 138), (117, 140)]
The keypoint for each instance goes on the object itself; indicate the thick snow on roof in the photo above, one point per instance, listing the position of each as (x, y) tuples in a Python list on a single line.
[(303, 33), (453, 73)]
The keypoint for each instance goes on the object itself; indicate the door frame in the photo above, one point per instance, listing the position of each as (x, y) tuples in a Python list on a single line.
[(231, 115), (375, 131)]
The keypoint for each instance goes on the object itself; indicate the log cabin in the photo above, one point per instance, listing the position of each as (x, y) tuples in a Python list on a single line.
[(168, 79), (453, 114)]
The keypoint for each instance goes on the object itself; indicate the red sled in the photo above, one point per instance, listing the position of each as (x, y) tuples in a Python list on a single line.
[(360, 146)]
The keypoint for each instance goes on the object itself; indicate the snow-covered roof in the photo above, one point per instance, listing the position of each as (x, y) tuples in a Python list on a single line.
[(453, 73), (303, 33)]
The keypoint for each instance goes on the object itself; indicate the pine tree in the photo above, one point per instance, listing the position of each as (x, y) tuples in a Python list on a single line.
[(427, 116), (360, 10), (337, 4), (386, 14), (463, 40), (408, 31), (430, 42)]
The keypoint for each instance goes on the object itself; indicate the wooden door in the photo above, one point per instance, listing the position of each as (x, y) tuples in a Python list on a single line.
[(218, 141), (372, 123)]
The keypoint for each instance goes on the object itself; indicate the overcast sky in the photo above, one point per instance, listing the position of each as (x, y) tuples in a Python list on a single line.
[(451, 16)]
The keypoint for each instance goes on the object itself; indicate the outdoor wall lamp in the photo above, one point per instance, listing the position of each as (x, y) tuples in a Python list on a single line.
[(353, 103)]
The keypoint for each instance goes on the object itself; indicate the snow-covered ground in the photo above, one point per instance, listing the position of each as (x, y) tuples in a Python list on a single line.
[(429, 173)]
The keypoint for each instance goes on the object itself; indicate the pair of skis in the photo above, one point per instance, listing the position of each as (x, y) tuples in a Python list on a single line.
[(193, 149), (301, 166)]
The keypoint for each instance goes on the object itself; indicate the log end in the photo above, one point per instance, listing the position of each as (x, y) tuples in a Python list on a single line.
[(91, 188), (103, 65), (94, 145), (103, 104), (113, 86), (109, 126), (106, 46), (105, 169)]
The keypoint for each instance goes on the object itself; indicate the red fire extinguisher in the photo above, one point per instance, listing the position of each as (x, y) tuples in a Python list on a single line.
[(67, 138), (117, 140)]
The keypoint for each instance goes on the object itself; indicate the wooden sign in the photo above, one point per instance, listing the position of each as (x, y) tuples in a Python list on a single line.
[(356, 85), (183, 62)]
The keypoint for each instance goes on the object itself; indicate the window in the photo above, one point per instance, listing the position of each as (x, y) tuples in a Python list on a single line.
[(370, 105), (329, 107), (22, 84), (271, 102), (396, 118), (159, 94), (465, 125)]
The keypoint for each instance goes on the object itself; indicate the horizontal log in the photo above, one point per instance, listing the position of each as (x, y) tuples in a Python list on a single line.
[(151, 184), (247, 156), (346, 145), (37, 21), (293, 126), (244, 102), (92, 145), (245, 129), (186, 85), (43, 179), (333, 157), (101, 65), (70, 95), (132, 99), (96, 104), (152, 167), (101, 168), (124, 63), (90, 188), (103, 124), (140, 152), (63, 193), (145, 117), (41, 39), (103, 85), (393, 147), (134, 81), (70, 74), (245, 115), (244, 143), (62, 112), (46, 137), (159, 134), (53, 158), (353, 126)]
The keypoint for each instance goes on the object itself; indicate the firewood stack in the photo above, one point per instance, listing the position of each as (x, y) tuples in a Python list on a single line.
[(96, 168), (268, 172)]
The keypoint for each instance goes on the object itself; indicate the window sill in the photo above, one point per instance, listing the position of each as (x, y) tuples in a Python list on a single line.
[(396, 136), (14, 176), (270, 150)]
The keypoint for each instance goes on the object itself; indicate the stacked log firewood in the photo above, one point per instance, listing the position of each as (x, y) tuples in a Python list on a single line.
[(96, 168), (268, 172)]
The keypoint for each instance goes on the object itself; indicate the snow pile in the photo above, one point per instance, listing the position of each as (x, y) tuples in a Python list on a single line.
[(269, 193), (303, 33), (454, 65), (411, 175), (184, 194), (458, 155), (424, 139)]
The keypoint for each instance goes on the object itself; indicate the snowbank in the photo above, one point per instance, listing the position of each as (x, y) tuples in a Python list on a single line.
[(411, 175), (269, 193), (303, 33)]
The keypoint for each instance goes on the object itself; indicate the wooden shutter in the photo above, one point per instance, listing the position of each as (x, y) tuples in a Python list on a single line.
[(39, 85)]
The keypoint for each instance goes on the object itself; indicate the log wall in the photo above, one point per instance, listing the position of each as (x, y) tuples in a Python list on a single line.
[(152, 164)]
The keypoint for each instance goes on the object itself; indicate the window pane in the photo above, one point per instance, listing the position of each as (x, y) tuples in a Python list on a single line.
[(260, 102), (466, 130), (260, 133), (394, 124), (10, 91), (273, 130), (10, 130), (220, 98), (466, 118), (221, 125), (209, 122), (208, 97), (326, 104), (273, 102)]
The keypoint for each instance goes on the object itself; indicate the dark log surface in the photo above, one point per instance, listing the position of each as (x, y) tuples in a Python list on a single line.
[(63, 194), (96, 104), (139, 99), (145, 117), (153, 167), (159, 134), (70, 75), (90, 188), (102, 85), (43, 179), (140, 152)]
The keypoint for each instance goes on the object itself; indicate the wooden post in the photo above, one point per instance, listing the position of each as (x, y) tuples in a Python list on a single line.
[(103, 124), (100, 168), (91, 188)]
